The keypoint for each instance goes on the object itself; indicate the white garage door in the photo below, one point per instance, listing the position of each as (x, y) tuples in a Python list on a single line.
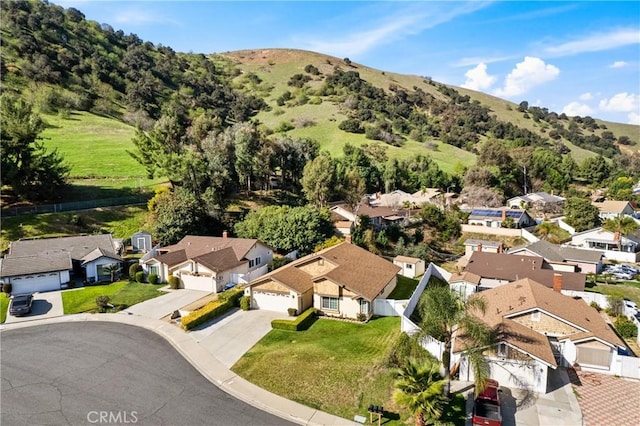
[(34, 283), (271, 301)]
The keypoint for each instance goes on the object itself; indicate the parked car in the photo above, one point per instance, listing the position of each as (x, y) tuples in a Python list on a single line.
[(486, 407), (21, 304)]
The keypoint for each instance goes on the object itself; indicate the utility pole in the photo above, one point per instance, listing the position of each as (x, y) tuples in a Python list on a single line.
[(525, 179)]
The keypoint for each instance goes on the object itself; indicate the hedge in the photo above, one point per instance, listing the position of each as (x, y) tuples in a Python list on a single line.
[(232, 296), (205, 314), (303, 321)]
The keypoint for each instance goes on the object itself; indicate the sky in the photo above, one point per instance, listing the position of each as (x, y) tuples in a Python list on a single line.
[(580, 58)]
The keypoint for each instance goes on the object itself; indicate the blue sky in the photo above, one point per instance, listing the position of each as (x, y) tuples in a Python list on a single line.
[(581, 58)]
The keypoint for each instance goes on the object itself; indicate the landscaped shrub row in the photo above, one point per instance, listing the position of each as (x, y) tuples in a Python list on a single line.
[(303, 322), (206, 313), (232, 296)]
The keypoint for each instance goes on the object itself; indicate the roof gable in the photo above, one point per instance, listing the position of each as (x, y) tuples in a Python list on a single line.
[(219, 260), (12, 266)]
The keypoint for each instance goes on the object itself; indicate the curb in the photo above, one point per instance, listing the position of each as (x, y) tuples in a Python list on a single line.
[(207, 365)]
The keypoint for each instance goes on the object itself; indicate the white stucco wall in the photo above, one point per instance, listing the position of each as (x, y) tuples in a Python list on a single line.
[(92, 267)]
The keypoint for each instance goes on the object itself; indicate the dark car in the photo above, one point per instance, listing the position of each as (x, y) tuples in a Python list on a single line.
[(21, 304)]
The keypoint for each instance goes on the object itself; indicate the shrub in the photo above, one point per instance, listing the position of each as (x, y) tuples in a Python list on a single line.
[(277, 262), (174, 282), (245, 303), (153, 278), (351, 125), (361, 317), (7, 288), (205, 314), (284, 127), (232, 296), (403, 348), (625, 328), (103, 302), (292, 312), (140, 276), (595, 306), (133, 269), (303, 321)]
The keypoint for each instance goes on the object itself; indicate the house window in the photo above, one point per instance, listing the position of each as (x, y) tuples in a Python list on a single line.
[(408, 266), (154, 270), (502, 350), (364, 306), (321, 261), (251, 263), (535, 316), (219, 277), (330, 303), (258, 261)]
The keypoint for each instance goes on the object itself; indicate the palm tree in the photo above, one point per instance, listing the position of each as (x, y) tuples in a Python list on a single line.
[(619, 226), (419, 387), (442, 313), (545, 230), (112, 269)]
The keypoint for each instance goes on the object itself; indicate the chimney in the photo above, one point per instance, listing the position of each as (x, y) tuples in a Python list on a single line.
[(557, 282), (504, 215), (479, 246), (347, 238), (225, 234), (500, 248)]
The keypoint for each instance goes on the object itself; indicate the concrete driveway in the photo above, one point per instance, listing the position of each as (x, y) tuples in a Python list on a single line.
[(230, 336), (162, 306), (45, 305)]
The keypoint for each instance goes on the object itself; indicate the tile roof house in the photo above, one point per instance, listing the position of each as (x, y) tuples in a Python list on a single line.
[(342, 281), (610, 209), (398, 199), (559, 258), (47, 264), (209, 263), (381, 216), (495, 217), (539, 329), (497, 269), (471, 245)]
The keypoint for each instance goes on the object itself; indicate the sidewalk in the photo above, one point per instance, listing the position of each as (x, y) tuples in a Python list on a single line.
[(209, 366)]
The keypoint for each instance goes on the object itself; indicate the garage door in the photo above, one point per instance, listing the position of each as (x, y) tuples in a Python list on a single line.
[(35, 283), (278, 302)]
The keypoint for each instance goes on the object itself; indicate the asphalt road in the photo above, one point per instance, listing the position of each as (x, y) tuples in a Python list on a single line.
[(102, 373)]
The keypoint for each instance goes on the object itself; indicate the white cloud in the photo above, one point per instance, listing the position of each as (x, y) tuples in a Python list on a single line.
[(526, 75), (621, 102), (576, 108), (586, 96), (634, 118), (138, 16), (478, 79), (473, 60), (618, 64), (409, 21), (596, 42)]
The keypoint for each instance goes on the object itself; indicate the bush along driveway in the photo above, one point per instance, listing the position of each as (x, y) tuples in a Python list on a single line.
[(122, 294), (4, 306)]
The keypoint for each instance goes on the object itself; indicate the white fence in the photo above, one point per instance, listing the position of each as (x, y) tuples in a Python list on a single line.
[(389, 307), (589, 297), (529, 236), (626, 366), (564, 225)]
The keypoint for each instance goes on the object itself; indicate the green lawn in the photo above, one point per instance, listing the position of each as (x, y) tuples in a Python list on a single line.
[(4, 306), (404, 289), (333, 366), (122, 294), (120, 221), (630, 290)]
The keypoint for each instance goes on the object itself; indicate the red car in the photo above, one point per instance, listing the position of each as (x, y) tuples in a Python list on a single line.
[(486, 408)]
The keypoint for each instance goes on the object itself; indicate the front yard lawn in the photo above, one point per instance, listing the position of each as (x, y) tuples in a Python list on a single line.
[(334, 366), (122, 294), (4, 306), (631, 290), (404, 288)]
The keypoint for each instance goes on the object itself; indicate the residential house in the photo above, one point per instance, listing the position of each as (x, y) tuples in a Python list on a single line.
[(472, 245), (380, 216), (611, 209), (539, 329), (496, 217), (209, 263), (51, 263), (539, 202), (141, 242), (399, 199), (497, 269), (568, 259), (341, 281), (411, 267), (621, 248)]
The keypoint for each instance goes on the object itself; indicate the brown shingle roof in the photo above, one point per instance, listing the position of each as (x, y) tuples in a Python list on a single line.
[(196, 245), (467, 276), (220, 260), (510, 300), (359, 270), (172, 258), (513, 267), (611, 206), (356, 269)]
